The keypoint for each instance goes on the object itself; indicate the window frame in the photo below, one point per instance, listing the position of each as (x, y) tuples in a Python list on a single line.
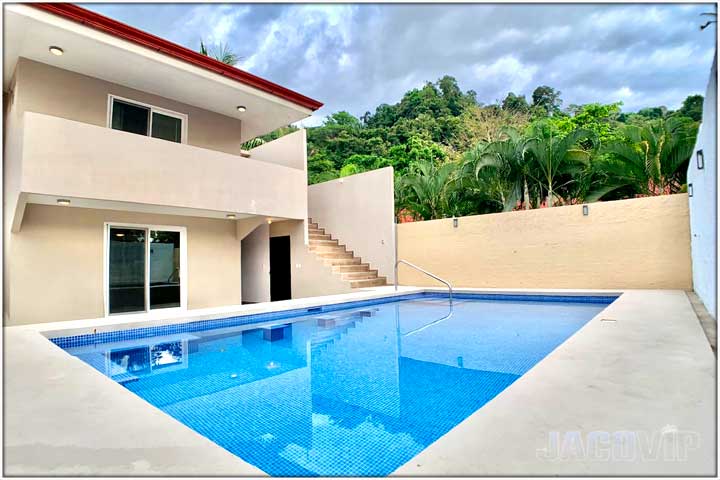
[(153, 109), (183, 267)]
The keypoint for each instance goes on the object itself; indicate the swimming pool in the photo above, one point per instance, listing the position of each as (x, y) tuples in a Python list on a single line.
[(350, 389)]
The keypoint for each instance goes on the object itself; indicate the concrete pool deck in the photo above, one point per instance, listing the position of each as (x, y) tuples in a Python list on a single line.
[(648, 372)]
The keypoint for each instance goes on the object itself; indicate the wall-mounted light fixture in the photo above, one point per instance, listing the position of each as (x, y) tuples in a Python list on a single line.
[(586, 210), (690, 190), (700, 159), (455, 223)]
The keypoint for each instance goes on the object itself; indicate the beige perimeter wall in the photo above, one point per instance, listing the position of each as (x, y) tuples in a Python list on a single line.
[(639, 243), (56, 262)]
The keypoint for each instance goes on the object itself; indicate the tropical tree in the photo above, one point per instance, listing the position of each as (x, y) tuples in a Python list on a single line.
[(692, 107), (221, 52), (515, 103), (427, 188), (547, 99), (504, 160), (559, 160), (649, 159)]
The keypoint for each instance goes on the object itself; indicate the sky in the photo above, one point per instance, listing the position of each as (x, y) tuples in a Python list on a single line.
[(354, 57)]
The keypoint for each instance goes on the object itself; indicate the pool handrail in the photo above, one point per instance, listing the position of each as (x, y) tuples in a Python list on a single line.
[(447, 284)]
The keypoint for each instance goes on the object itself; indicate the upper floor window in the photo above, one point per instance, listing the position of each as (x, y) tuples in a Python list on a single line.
[(143, 119)]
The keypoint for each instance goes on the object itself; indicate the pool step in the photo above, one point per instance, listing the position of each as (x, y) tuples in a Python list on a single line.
[(343, 262)]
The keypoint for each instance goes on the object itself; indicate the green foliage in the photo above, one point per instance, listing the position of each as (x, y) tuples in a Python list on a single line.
[(349, 169), (650, 159), (453, 156), (220, 52), (599, 119), (547, 99), (515, 103), (692, 108)]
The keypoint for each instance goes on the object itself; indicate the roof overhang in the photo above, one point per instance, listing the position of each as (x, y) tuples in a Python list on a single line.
[(100, 47)]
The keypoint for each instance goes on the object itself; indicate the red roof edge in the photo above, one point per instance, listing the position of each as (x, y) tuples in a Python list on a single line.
[(134, 35)]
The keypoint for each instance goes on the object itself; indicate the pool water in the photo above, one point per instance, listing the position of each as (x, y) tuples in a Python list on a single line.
[(354, 392)]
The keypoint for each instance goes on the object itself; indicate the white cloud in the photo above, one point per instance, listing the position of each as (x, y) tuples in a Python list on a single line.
[(354, 57), (507, 71), (215, 24), (624, 93)]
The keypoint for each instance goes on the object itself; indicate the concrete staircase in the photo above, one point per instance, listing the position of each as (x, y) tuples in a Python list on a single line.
[(343, 262)]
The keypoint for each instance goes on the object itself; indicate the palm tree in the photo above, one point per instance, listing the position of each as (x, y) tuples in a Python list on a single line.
[(427, 187), (504, 159), (650, 157), (221, 52), (558, 161)]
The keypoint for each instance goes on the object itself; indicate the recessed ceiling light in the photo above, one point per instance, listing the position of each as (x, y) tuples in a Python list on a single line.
[(241, 108), (120, 235), (230, 216), (269, 221), (63, 201), (56, 50)]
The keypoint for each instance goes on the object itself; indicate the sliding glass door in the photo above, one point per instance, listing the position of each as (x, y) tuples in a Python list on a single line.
[(126, 270), (164, 269), (145, 268)]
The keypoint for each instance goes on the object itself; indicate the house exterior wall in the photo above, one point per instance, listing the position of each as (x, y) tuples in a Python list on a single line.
[(62, 93), (78, 160), (256, 265), (309, 277), (638, 243), (57, 266), (284, 151), (703, 203), (359, 210)]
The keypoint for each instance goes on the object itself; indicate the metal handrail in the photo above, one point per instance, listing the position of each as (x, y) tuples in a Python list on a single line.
[(447, 284), (434, 322)]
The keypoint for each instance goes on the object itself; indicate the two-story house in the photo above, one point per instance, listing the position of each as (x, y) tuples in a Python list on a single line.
[(126, 186)]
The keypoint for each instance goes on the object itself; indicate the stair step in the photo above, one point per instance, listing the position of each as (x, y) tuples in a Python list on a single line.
[(359, 275), (334, 255), (313, 226), (328, 249), (372, 282), (337, 261), (325, 241), (316, 231), (319, 236), (360, 267)]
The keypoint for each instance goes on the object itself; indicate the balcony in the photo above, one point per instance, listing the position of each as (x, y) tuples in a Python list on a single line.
[(104, 168)]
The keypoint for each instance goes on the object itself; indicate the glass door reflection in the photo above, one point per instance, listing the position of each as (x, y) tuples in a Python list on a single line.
[(126, 270), (164, 269)]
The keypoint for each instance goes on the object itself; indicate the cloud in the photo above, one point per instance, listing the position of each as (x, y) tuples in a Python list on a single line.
[(507, 73), (354, 57)]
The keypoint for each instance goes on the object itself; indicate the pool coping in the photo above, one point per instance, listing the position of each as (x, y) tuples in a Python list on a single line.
[(43, 399)]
